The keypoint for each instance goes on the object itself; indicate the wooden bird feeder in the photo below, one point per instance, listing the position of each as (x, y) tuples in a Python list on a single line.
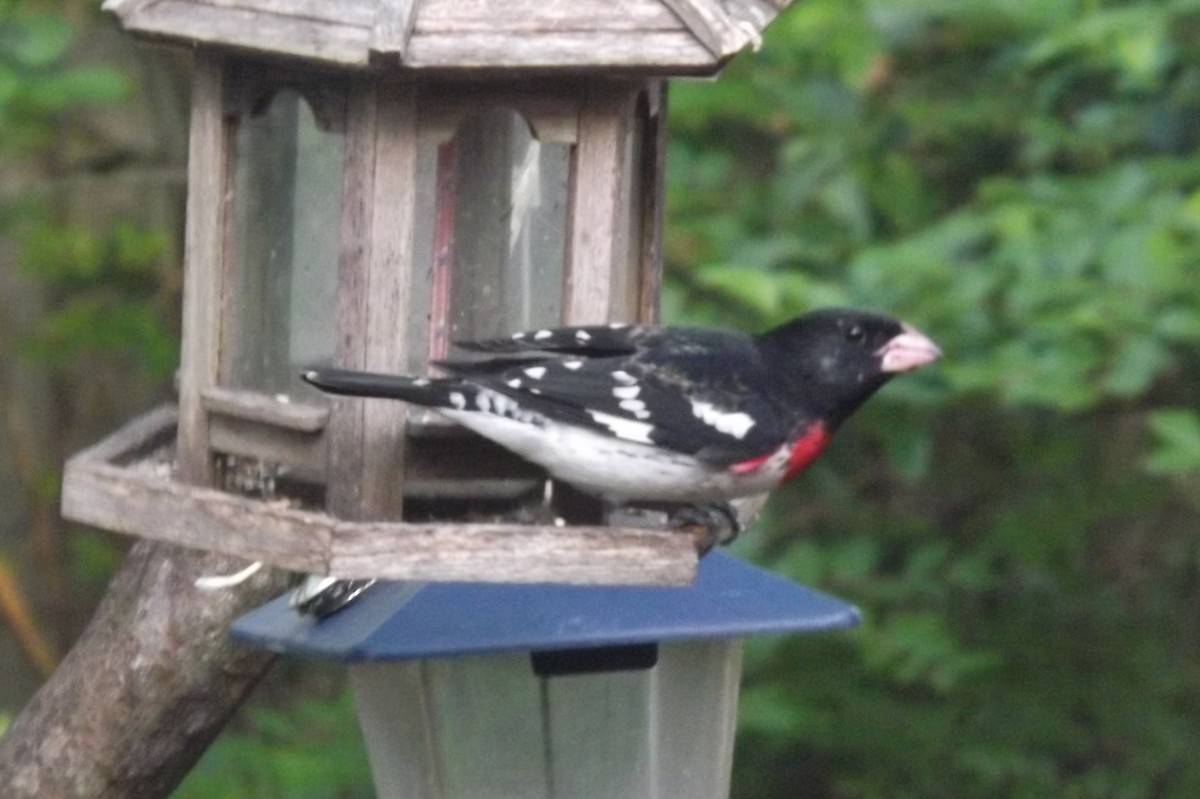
[(370, 180)]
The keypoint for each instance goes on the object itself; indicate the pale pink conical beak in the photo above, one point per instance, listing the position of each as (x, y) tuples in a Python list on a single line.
[(907, 351)]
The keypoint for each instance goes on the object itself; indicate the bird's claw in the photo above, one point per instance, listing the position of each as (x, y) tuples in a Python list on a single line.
[(318, 597), (709, 525)]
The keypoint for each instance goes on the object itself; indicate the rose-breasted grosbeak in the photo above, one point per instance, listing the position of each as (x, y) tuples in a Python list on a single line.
[(639, 414)]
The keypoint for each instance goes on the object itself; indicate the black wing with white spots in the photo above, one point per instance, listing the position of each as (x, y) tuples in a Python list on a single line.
[(697, 392), (591, 340)]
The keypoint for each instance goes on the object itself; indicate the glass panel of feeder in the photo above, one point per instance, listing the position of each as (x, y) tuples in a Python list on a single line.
[(288, 208), (509, 201)]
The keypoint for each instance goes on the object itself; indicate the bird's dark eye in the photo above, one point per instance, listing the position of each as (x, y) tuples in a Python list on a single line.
[(855, 334)]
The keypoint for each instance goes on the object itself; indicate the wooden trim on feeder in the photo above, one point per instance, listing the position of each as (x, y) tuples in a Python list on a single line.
[(304, 453), (674, 52), (597, 240), (205, 275), (551, 109), (252, 84), (648, 37), (710, 23), (107, 486), (378, 208), (394, 21), (255, 406)]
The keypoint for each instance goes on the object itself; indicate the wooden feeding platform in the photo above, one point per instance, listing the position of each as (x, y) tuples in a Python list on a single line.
[(125, 483)]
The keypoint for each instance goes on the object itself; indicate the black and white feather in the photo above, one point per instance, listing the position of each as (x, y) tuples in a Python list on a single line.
[(633, 413)]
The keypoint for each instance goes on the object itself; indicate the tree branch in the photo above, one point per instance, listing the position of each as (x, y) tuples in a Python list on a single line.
[(147, 687)]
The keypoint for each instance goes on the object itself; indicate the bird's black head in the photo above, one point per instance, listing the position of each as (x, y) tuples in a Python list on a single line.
[(832, 360)]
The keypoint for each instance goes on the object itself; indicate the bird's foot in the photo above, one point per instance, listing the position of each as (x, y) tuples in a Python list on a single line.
[(708, 525), (318, 596)]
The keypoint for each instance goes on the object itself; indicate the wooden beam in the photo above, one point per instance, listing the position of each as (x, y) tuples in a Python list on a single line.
[(255, 406), (374, 278), (141, 499), (125, 9), (209, 160), (269, 444), (597, 243), (394, 20), (711, 24)]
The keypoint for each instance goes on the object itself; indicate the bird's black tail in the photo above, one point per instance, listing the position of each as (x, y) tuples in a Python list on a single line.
[(431, 392)]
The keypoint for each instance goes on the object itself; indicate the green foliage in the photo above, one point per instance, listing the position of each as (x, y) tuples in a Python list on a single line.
[(1021, 180), (37, 86), (108, 290), (313, 750)]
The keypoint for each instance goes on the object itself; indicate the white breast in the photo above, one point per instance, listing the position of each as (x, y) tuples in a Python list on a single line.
[(617, 469)]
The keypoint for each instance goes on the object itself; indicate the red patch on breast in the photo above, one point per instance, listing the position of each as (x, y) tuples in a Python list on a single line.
[(806, 450), (803, 452)]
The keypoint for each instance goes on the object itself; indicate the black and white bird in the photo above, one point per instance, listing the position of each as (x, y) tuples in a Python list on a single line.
[(662, 415)]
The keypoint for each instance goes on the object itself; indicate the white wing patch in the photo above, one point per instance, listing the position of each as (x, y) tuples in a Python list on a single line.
[(627, 429), (735, 423), (636, 407)]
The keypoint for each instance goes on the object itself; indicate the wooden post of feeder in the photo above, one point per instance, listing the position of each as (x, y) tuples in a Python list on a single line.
[(366, 448)]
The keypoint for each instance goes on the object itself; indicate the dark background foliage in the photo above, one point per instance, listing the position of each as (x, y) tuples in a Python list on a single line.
[(1021, 180)]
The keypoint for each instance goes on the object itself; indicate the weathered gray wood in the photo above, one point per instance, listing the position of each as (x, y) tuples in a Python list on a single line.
[(535, 16), (393, 25), (207, 215), (711, 24), (139, 502), (378, 208), (550, 108), (153, 428), (125, 8), (672, 52), (253, 406), (494, 43), (361, 13), (141, 499), (658, 37), (512, 553), (270, 444), (125, 501), (599, 216), (185, 21)]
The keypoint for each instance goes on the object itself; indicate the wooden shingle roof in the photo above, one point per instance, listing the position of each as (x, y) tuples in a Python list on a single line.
[(650, 36)]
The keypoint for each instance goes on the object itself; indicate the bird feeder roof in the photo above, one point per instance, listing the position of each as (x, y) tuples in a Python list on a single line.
[(408, 621), (661, 37)]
